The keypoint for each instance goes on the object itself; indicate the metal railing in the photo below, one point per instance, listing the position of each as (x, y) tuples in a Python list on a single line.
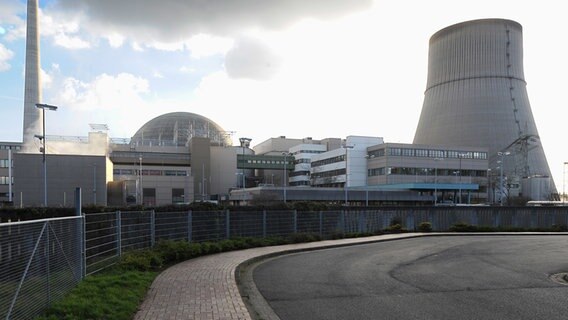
[(42, 260), (110, 234)]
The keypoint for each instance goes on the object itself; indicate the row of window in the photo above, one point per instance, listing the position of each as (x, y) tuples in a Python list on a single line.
[(324, 162), (331, 173), (304, 160), (425, 172), (281, 162), (309, 151), (9, 147), (135, 172), (427, 153), (299, 173), (4, 163), (6, 180), (300, 183)]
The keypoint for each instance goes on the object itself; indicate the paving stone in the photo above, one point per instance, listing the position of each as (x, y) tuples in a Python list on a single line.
[(206, 288)]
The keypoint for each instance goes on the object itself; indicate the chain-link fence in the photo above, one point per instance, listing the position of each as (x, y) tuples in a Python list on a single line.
[(40, 262)]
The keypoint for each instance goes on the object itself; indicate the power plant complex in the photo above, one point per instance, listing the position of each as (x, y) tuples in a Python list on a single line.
[(476, 142)]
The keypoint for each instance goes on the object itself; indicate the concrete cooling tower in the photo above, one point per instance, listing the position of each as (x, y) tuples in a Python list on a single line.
[(476, 96)]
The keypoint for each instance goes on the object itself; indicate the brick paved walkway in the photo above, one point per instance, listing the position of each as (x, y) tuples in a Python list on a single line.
[(206, 288)]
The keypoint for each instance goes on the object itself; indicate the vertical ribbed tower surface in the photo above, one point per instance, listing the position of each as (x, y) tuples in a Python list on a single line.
[(476, 95), (32, 86)]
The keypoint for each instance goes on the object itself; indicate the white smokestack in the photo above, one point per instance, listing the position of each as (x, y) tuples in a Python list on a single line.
[(32, 91)]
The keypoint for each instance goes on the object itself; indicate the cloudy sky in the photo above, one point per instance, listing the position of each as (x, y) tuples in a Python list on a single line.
[(263, 68)]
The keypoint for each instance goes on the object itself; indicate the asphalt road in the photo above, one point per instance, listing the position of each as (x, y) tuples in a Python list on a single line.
[(470, 277)]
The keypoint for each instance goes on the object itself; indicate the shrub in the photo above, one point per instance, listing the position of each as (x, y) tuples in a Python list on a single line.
[(425, 226), (337, 235), (147, 260), (463, 227), (227, 245), (395, 228), (210, 247), (303, 237), (396, 220), (175, 251), (559, 228)]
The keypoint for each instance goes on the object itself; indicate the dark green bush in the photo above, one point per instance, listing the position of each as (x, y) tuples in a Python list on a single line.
[(425, 226), (463, 227), (303, 237), (337, 235), (146, 260), (559, 228), (396, 220), (395, 228), (210, 247), (227, 245), (174, 251)]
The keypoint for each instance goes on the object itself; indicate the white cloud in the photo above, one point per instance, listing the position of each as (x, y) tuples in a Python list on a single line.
[(104, 92), (251, 58), (64, 30), (70, 42), (187, 70), (5, 56), (14, 26), (203, 45), (115, 40)]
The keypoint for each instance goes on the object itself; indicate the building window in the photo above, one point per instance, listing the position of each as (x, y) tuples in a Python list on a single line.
[(4, 163), (149, 197), (178, 196), (5, 180)]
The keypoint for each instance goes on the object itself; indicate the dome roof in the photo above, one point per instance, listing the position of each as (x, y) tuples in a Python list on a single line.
[(177, 128)]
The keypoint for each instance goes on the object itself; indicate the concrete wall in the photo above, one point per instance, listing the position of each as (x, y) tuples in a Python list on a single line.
[(64, 174)]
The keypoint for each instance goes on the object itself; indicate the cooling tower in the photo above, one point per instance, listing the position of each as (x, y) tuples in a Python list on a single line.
[(476, 96), (32, 88)]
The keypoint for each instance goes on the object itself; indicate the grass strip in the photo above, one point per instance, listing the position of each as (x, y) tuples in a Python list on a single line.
[(115, 294)]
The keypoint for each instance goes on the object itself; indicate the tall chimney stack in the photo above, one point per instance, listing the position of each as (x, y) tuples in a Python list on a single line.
[(32, 91)]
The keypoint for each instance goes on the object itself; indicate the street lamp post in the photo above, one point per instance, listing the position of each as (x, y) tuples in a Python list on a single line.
[(488, 185), (285, 182), (502, 155), (43, 107), (346, 175), (564, 182), (460, 156), (245, 142), (140, 181)]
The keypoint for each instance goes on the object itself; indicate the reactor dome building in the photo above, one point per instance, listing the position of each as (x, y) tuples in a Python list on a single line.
[(476, 96), (177, 129)]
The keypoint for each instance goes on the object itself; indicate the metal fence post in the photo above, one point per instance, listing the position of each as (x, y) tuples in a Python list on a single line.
[(189, 225), (119, 233), (227, 224), (342, 217), (81, 233), (47, 265), (152, 229), (321, 223), (295, 217), (264, 223)]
